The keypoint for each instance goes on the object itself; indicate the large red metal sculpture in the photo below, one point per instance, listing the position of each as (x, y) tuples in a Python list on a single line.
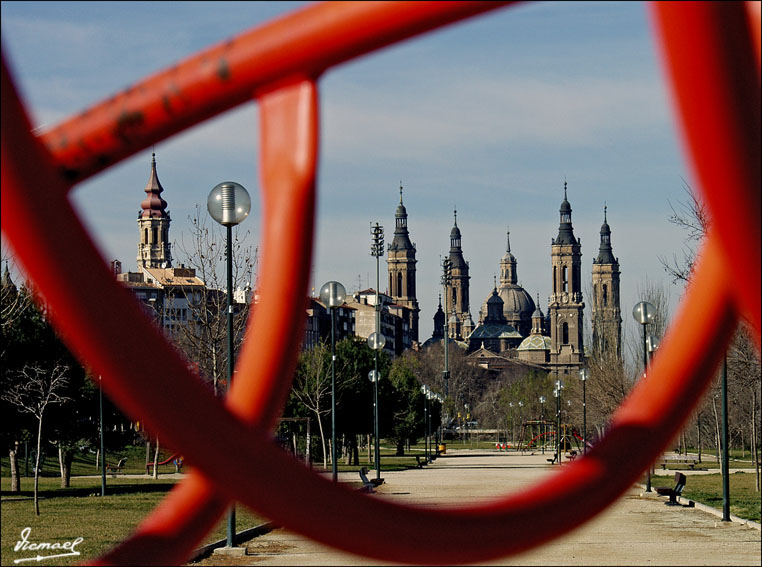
[(717, 89)]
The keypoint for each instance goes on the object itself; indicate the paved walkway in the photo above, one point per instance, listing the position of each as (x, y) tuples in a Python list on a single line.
[(636, 530)]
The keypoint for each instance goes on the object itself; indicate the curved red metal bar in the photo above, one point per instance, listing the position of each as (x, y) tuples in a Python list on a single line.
[(293, 496)]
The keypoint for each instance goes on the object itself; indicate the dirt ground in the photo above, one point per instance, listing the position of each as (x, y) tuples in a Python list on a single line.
[(636, 530)]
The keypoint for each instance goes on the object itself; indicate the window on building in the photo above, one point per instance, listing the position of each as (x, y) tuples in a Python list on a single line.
[(565, 333), (145, 236), (155, 235), (605, 295), (565, 279), (399, 284), (555, 279)]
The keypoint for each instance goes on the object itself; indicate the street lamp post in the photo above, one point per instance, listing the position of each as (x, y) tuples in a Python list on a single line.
[(643, 313), (376, 341), (229, 204), (377, 250), (103, 446), (425, 392), (557, 393), (725, 456), (446, 279), (510, 405), (521, 421), (332, 294), (542, 423), (584, 374)]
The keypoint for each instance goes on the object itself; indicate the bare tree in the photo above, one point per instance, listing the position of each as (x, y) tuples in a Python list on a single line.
[(312, 386), (691, 215), (37, 388), (204, 338)]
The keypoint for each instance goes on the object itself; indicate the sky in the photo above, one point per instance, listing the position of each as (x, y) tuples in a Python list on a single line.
[(489, 116)]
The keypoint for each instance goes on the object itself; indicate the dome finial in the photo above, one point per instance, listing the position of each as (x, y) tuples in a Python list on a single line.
[(565, 188), (455, 213), (400, 191), (508, 238), (494, 282), (605, 207)]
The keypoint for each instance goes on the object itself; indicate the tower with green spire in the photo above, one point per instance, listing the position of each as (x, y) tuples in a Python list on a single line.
[(401, 264), (566, 304), (607, 315)]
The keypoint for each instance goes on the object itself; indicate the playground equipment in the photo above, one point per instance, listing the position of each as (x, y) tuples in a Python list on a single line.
[(717, 90), (175, 459)]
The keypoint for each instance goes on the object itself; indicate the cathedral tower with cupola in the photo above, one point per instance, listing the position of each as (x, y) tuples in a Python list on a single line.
[(460, 324), (401, 266), (153, 222), (607, 315), (566, 304)]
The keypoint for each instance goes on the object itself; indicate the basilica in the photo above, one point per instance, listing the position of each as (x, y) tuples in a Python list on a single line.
[(511, 324)]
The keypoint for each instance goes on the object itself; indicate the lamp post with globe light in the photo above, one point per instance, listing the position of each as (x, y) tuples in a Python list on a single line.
[(229, 204), (376, 340), (332, 294), (542, 423), (584, 374), (643, 313)]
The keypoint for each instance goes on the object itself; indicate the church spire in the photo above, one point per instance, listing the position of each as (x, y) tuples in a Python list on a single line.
[(153, 222), (565, 230), (605, 252), (153, 206)]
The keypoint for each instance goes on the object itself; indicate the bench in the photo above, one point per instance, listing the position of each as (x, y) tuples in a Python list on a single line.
[(113, 469), (571, 455), (673, 493), (421, 461), (367, 485), (690, 463)]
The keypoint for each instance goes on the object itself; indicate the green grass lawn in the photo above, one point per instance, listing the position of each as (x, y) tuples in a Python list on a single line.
[(745, 501), (76, 512)]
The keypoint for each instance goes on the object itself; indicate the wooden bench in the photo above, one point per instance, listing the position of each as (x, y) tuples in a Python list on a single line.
[(690, 463), (571, 455), (673, 493), (421, 461), (113, 469)]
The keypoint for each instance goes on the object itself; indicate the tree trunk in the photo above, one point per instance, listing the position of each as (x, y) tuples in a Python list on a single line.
[(13, 455), (754, 435), (156, 460), (148, 452), (400, 447), (716, 430), (37, 467), (65, 458), (97, 458), (322, 441)]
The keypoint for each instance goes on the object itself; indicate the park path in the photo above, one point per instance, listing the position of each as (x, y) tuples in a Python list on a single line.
[(636, 530)]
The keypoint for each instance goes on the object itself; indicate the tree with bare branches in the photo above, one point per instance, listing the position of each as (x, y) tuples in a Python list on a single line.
[(203, 338), (37, 388)]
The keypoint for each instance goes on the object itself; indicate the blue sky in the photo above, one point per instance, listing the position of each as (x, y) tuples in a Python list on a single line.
[(488, 115)]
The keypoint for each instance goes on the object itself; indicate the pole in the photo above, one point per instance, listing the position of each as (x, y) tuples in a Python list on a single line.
[(103, 450), (645, 368), (231, 531), (558, 422), (334, 472), (584, 418), (377, 455), (725, 448)]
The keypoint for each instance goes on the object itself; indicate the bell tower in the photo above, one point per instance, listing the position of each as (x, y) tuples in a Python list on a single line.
[(153, 223), (566, 304), (607, 315), (460, 324), (401, 266)]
